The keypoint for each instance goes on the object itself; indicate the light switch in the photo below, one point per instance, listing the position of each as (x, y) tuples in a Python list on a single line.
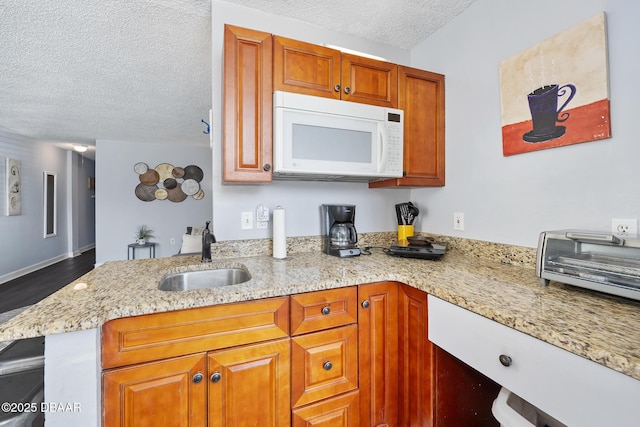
[(246, 220)]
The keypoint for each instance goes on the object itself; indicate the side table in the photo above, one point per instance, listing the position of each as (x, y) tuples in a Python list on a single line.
[(131, 249)]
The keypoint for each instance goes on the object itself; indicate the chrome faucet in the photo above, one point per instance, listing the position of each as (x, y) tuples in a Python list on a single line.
[(207, 239)]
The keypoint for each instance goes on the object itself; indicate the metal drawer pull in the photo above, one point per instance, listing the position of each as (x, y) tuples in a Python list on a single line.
[(326, 310), (365, 304), (327, 365), (215, 377), (505, 360), (197, 378)]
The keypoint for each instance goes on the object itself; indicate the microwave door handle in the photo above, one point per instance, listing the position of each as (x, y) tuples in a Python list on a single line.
[(381, 149)]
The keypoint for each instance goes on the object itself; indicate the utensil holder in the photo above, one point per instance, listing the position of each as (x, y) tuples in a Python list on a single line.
[(404, 231)]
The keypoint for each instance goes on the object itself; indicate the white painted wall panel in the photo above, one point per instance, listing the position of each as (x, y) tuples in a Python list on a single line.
[(511, 199)]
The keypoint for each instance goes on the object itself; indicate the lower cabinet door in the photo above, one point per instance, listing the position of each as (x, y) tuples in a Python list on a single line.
[(378, 353), (340, 411), (167, 393), (250, 385)]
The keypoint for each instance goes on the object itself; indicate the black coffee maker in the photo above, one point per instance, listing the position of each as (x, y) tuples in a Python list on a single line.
[(339, 235)]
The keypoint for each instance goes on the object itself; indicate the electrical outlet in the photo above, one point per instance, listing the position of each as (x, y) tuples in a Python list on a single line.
[(246, 220), (624, 227), (262, 217), (458, 221), (172, 241), (262, 213)]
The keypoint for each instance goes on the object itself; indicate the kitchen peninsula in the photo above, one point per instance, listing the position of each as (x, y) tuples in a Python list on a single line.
[(489, 280)]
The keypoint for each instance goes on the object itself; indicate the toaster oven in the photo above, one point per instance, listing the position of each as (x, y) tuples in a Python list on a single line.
[(598, 261)]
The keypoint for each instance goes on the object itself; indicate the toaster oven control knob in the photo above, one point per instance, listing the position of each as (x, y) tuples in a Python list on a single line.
[(336, 88), (326, 310), (505, 360), (365, 304), (347, 90), (266, 167)]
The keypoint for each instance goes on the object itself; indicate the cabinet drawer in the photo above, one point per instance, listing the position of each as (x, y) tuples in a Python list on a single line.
[(323, 364), (576, 391), (341, 411), (316, 311), (158, 336)]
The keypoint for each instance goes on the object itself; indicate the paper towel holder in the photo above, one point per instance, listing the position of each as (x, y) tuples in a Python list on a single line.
[(279, 233)]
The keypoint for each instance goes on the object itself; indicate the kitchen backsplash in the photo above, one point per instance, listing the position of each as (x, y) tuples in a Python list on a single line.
[(506, 254)]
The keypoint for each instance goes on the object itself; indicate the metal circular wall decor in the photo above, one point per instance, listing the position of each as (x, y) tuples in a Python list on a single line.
[(168, 182)]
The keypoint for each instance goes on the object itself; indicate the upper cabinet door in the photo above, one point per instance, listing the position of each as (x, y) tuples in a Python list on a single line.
[(317, 70), (305, 68), (369, 81), (247, 147), (421, 96)]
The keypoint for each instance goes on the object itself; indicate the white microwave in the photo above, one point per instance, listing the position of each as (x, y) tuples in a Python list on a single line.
[(318, 138)]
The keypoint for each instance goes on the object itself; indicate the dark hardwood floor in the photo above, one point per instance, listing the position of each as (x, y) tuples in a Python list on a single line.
[(33, 287)]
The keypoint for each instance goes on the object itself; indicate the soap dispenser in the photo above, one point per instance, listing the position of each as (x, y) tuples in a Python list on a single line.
[(207, 240)]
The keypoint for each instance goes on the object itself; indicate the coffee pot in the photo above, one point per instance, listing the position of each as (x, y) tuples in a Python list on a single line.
[(339, 235), (343, 235)]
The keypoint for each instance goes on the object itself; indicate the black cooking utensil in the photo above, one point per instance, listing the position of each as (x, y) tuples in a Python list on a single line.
[(399, 215), (413, 212)]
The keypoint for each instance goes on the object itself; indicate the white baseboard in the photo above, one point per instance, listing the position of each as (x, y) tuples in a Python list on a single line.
[(30, 269)]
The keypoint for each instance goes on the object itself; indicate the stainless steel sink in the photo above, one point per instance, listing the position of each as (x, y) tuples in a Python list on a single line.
[(204, 279)]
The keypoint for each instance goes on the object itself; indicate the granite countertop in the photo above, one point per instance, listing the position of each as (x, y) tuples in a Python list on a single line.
[(498, 286)]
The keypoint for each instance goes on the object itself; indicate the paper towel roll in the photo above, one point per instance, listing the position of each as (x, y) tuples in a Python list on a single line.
[(279, 233)]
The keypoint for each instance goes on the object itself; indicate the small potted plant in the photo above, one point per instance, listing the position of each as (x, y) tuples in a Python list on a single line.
[(142, 234)]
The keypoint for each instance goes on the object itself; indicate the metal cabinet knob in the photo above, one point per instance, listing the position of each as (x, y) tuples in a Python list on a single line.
[(365, 304), (266, 167), (197, 378), (347, 90), (327, 365), (326, 310), (215, 377), (505, 360), (336, 88)]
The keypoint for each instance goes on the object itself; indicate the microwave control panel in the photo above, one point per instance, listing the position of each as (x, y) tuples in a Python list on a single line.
[(394, 155)]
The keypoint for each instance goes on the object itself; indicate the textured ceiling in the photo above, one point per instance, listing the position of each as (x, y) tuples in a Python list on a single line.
[(140, 70), (401, 23)]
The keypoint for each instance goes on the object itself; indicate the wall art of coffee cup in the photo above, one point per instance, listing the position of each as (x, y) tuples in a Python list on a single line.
[(543, 104)]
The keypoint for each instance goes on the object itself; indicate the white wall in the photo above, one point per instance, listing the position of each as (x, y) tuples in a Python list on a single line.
[(119, 211), (374, 208), (512, 199), (24, 248)]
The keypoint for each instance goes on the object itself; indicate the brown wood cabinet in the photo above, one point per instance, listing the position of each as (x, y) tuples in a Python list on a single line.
[(340, 411), (247, 136), (165, 393), (355, 356), (250, 385), (152, 382), (324, 358), (257, 63), (324, 364), (315, 311), (421, 96), (415, 360), (320, 71), (158, 336), (378, 345)]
